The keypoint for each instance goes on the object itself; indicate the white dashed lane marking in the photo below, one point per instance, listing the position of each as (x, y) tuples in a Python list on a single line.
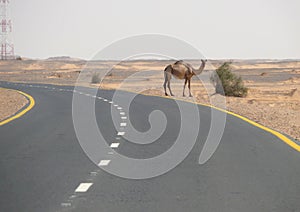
[(114, 145), (83, 187), (66, 204), (93, 174), (121, 133), (104, 162)]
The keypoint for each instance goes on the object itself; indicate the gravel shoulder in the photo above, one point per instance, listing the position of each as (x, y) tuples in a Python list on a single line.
[(10, 102)]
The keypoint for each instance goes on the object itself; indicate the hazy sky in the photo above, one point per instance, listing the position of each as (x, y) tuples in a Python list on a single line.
[(218, 28)]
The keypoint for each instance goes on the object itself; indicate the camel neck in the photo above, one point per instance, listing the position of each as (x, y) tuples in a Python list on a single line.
[(201, 67)]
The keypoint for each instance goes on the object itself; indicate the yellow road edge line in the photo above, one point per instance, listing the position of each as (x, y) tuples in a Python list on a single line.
[(277, 134), (23, 111)]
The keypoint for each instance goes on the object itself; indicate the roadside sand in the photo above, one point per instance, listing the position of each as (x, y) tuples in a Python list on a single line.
[(273, 99), (274, 86), (10, 103)]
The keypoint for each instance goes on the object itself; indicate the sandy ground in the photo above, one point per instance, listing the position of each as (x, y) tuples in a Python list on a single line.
[(10, 103), (274, 86)]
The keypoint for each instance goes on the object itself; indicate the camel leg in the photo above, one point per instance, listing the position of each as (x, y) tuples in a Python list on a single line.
[(169, 81), (189, 85), (165, 83), (185, 81)]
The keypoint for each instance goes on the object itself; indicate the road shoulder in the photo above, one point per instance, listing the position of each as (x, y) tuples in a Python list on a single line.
[(13, 104)]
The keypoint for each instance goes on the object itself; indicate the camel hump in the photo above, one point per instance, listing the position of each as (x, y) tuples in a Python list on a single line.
[(178, 62)]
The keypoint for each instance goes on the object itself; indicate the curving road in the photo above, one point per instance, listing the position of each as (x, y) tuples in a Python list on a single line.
[(42, 165)]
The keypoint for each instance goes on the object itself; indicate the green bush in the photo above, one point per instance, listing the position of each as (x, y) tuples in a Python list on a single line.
[(96, 78), (227, 83)]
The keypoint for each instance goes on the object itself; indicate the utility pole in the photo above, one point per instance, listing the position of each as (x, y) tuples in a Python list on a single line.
[(7, 47)]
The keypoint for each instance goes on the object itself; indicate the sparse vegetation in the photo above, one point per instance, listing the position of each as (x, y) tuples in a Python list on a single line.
[(227, 83), (263, 74), (96, 78)]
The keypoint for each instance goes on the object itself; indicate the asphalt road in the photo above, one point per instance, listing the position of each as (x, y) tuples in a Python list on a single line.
[(42, 163)]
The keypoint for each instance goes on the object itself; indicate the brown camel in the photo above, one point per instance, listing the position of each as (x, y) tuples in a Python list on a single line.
[(181, 70)]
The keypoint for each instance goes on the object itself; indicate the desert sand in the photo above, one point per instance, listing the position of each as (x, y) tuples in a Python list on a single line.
[(273, 99), (10, 102)]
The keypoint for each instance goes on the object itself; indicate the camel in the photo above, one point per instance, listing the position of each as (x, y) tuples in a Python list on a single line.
[(181, 70)]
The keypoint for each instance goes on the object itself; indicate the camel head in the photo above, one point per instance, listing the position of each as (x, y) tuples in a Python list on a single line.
[(201, 68), (203, 61)]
